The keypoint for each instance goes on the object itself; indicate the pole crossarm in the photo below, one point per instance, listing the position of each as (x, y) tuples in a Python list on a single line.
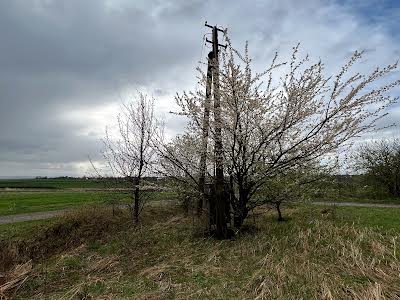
[(211, 42), (216, 29), (208, 25)]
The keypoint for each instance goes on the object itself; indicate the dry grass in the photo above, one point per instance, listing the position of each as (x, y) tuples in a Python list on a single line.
[(328, 261), (73, 229), (311, 256), (13, 279)]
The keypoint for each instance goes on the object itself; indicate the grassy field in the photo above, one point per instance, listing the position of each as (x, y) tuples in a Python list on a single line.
[(318, 253), (381, 218), (34, 195), (22, 201), (26, 201)]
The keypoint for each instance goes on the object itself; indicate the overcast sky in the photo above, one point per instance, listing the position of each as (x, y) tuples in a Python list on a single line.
[(65, 66)]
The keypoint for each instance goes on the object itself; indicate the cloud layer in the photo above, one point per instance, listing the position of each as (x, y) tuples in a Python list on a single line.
[(65, 65)]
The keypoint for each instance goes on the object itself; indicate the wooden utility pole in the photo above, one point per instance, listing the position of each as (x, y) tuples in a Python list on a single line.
[(221, 204), (204, 141)]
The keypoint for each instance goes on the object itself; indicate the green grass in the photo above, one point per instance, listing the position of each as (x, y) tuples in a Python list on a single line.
[(24, 202), (382, 218), (16, 202), (318, 253)]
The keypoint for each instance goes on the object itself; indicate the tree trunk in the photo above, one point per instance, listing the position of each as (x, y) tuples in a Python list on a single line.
[(239, 216), (396, 187), (397, 191), (136, 206), (220, 215), (241, 211), (278, 208), (136, 201)]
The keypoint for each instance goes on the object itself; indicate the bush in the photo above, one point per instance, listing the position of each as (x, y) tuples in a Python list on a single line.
[(381, 162)]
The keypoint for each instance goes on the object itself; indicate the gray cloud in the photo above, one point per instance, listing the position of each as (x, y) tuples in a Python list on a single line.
[(59, 56)]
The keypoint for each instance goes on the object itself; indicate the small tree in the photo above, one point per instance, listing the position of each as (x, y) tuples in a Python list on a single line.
[(129, 153), (381, 162), (272, 126), (284, 188)]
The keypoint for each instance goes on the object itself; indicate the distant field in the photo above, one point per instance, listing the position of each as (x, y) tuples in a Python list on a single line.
[(34, 195), (16, 202), (53, 183), (24, 202)]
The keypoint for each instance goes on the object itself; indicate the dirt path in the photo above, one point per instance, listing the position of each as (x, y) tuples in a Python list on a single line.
[(56, 213), (51, 214), (358, 204), (31, 216)]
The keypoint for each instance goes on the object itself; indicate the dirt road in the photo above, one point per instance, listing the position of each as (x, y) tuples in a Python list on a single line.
[(55, 213), (52, 214), (358, 204), (31, 216)]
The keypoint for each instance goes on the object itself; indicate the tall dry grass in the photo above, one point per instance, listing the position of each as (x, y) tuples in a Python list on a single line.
[(329, 261)]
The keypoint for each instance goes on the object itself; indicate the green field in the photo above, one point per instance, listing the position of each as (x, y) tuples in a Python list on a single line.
[(384, 219), (34, 195), (26, 201), (16, 202)]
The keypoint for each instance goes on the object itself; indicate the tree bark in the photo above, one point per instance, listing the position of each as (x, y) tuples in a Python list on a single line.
[(241, 211), (397, 190), (278, 208), (239, 217), (136, 202), (136, 206)]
